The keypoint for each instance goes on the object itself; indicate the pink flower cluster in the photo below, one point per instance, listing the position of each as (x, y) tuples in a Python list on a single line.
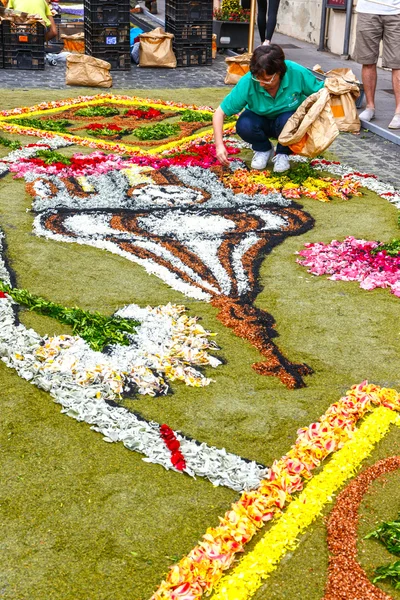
[(98, 163), (352, 260)]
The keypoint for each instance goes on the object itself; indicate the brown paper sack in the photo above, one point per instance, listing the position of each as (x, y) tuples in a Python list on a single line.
[(23, 19), (237, 66), (74, 43), (312, 128), (156, 49), (214, 48), (20, 18), (88, 71), (344, 91)]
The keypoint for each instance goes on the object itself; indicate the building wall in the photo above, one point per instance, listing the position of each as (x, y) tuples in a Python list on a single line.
[(336, 31), (300, 19)]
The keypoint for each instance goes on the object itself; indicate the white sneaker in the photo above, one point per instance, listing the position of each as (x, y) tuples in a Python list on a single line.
[(260, 159), (281, 163), (395, 122), (367, 114)]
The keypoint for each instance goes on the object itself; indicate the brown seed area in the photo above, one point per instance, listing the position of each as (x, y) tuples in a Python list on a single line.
[(347, 580)]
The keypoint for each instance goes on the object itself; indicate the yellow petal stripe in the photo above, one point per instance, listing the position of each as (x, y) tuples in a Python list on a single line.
[(248, 576)]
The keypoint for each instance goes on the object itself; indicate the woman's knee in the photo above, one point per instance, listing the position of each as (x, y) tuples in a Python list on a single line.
[(282, 119), (247, 127), (243, 127)]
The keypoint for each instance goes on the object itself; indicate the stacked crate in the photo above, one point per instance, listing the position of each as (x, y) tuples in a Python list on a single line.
[(107, 32), (191, 23), (23, 45), (1, 47)]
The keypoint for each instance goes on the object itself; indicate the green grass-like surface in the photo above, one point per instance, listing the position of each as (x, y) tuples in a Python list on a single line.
[(373, 510), (86, 520)]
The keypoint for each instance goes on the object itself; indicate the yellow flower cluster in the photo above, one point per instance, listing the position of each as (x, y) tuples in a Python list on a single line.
[(318, 188), (248, 576), (60, 105)]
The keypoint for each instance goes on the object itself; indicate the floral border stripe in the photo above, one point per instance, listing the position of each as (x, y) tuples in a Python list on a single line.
[(200, 571), (248, 576), (91, 142), (98, 99)]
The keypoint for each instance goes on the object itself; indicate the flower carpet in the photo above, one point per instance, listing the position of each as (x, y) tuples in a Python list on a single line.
[(157, 298)]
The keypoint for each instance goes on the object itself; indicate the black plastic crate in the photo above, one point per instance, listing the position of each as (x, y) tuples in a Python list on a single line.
[(24, 58), (108, 35), (193, 55), (21, 34), (189, 10), (120, 60), (190, 33), (110, 12)]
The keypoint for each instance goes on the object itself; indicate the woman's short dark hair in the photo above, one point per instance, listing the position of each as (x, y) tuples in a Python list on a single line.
[(268, 60)]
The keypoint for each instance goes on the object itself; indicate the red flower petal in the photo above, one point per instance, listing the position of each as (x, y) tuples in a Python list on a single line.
[(173, 445)]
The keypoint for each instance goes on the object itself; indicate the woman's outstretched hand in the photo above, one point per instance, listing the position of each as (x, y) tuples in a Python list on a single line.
[(222, 154), (218, 125)]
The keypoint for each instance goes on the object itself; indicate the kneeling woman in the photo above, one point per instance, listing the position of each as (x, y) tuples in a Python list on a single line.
[(270, 93)]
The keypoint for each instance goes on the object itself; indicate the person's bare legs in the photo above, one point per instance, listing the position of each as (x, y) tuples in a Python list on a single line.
[(396, 87), (395, 122), (369, 78)]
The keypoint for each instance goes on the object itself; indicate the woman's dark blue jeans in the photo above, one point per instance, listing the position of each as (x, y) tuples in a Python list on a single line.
[(256, 130)]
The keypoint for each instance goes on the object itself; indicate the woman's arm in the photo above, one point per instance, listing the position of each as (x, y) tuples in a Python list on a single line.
[(53, 29), (218, 125), (310, 83)]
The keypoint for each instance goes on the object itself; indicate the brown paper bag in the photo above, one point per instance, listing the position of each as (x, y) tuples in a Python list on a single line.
[(21, 18), (156, 49), (237, 66), (74, 43), (88, 71), (312, 128), (214, 48), (342, 85)]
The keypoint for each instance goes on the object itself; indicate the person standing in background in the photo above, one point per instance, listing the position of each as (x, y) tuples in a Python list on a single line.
[(267, 12), (378, 21)]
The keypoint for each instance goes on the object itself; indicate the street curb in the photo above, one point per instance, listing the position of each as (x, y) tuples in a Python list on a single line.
[(152, 17), (387, 135)]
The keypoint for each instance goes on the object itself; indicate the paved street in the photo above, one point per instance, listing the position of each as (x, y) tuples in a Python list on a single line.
[(138, 78), (369, 153)]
